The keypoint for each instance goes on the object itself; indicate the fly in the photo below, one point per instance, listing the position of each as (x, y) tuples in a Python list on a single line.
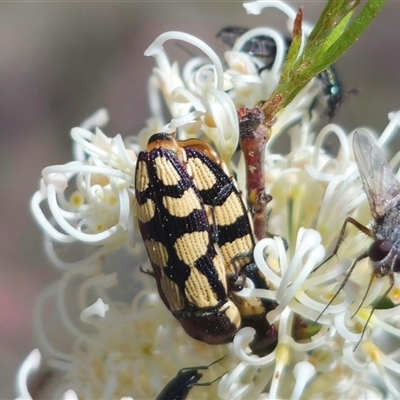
[(383, 193)]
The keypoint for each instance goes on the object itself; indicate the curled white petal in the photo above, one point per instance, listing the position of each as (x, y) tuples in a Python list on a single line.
[(28, 367), (303, 371), (99, 119), (255, 7), (310, 240), (78, 235), (58, 180), (70, 395), (98, 308), (390, 129), (259, 249), (157, 46), (240, 343)]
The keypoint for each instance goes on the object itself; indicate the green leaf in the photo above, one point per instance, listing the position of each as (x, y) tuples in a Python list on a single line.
[(294, 48), (333, 34)]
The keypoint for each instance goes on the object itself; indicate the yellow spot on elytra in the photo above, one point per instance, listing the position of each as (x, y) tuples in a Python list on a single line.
[(198, 290), (237, 247), (157, 252), (230, 211), (183, 206), (372, 351), (146, 211), (172, 293), (76, 199), (202, 175), (166, 172), (191, 246), (232, 313), (219, 266), (142, 179), (282, 354)]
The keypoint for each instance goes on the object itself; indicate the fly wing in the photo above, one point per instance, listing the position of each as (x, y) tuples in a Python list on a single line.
[(379, 181)]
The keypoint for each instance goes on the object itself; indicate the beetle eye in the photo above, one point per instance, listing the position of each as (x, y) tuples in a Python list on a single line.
[(379, 250)]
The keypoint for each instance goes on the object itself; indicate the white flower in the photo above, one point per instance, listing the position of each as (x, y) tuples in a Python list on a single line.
[(313, 190), (203, 99), (89, 199)]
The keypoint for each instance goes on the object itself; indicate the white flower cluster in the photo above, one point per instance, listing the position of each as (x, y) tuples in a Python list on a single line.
[(119, 340), (90, 199)]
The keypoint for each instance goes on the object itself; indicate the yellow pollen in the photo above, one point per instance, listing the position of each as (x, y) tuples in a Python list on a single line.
[(99, 179), (126, 380), (208, 120), (274, 264), (298, 191), (364, 313), (372, 351), (329, 296), (76, 199), (320, 356), (99, 228), (395, 293), (97, 368), (147, 349), (282, 354)]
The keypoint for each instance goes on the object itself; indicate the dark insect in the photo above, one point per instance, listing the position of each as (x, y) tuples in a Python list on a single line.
[(263, 48), (230, 34), (332, 88), (189, 272), (179, 387), (225, 208), (383, 193), (199, 240)]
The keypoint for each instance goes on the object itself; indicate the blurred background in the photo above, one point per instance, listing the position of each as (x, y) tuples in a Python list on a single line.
[(60, 62)]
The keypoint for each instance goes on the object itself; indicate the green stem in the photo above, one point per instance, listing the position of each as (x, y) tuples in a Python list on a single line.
[(332, 36)]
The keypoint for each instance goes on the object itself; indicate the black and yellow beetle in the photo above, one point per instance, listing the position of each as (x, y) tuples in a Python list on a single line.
[(198, 236), (225, 206), (190, 273)]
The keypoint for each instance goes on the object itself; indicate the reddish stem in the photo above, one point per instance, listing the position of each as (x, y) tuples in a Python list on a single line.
[(253, 137)]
